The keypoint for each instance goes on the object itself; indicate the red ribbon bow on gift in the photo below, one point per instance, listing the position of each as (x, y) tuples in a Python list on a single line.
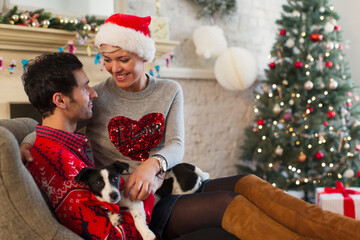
[(349, 206)]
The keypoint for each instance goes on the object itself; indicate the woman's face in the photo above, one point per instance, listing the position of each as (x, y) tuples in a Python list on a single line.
[(127, 69)]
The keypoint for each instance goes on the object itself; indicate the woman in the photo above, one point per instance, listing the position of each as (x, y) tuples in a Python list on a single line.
[(139, 119)]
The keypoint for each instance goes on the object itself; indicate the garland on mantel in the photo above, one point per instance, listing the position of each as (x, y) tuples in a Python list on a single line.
[(40, 18), (83, 26)]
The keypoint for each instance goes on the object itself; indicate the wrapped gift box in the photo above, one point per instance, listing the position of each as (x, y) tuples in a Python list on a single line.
[(333, 199)]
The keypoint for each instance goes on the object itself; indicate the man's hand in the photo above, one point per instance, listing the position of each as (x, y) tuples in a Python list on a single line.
[(144, 180), (25, 152)]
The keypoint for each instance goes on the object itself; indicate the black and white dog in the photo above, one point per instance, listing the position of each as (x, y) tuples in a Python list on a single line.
[(104, 183)]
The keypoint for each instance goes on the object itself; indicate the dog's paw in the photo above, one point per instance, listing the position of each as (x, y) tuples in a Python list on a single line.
[(149, 235), (116, 219)]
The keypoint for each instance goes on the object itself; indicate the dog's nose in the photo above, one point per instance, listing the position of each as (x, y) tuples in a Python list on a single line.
[(114, 195)]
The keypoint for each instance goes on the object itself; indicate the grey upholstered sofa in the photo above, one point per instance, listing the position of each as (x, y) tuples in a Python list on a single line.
[(24, 214)]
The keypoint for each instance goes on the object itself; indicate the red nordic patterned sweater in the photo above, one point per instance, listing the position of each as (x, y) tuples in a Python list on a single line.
[(58, 158)]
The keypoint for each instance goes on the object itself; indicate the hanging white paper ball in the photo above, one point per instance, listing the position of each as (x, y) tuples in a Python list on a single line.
[(290, 43), (236, 69), (349, 173), (322, 9), (209, 41)]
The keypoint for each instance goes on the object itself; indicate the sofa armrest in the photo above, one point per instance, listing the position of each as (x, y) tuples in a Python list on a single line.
[(24, 213), (19, 127)]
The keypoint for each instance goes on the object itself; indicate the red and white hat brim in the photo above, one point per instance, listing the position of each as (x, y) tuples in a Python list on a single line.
[(127, 39)]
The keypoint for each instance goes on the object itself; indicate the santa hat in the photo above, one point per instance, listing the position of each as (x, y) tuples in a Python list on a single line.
[(128, 32)]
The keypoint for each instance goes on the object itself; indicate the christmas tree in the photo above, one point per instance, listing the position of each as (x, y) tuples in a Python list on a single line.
[(306, 133)]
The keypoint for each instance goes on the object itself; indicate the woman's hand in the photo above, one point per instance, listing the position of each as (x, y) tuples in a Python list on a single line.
[(144, 180), (25, 152)]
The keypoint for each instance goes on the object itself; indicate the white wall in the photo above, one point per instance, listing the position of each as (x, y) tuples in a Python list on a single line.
[(348, 11), (81, 7)]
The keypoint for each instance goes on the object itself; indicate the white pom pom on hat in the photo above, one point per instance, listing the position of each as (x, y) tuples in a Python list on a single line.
[(128, 32)]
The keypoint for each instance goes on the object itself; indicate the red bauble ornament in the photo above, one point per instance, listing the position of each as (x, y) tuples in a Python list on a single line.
[(331, 114), (298, 64), (340, 47), (282, 32), (272, 65), (357, 147), (337, 28), (329, 64), (316, 37), (319, 155), (348, 104), (358, 174), (260, 122), (326, 124), (309, 110)]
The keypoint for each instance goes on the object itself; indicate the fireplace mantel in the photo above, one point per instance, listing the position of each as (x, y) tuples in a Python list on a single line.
[(30, 39)]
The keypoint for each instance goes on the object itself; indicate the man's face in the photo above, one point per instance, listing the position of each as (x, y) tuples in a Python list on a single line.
[(80, 104)]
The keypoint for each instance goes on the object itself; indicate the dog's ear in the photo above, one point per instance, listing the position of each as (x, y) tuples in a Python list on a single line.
[(83, 175), (121, 166)]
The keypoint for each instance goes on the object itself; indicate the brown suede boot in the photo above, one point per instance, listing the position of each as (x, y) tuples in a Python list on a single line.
[(244, 220), (299, 216)]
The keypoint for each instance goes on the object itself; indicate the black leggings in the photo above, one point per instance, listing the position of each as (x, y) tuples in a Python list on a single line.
[(202, 210)]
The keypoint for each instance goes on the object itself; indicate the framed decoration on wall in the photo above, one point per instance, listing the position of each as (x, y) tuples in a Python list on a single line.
[(159, 28)]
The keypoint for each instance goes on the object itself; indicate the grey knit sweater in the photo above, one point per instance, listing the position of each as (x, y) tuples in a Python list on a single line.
[(141, 123), (128, 139)]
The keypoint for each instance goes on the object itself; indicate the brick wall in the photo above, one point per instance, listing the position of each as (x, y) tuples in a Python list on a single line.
[(215, 117)]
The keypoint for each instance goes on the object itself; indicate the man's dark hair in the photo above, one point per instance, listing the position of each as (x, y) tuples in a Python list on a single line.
[(48, 74)]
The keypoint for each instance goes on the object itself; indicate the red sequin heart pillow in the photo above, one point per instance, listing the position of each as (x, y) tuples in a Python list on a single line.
[(134, 139)]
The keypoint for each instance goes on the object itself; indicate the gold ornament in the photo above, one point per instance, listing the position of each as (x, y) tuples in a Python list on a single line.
[(45, 23), (62, 20), (276, 108), (74, 21), (15, 17), (87, 27), (12, 22), (279, 151), (302, 157), (23, 17), (97, 28)]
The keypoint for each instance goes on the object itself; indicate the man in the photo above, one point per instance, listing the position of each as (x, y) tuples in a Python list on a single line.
[(59, 89)]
